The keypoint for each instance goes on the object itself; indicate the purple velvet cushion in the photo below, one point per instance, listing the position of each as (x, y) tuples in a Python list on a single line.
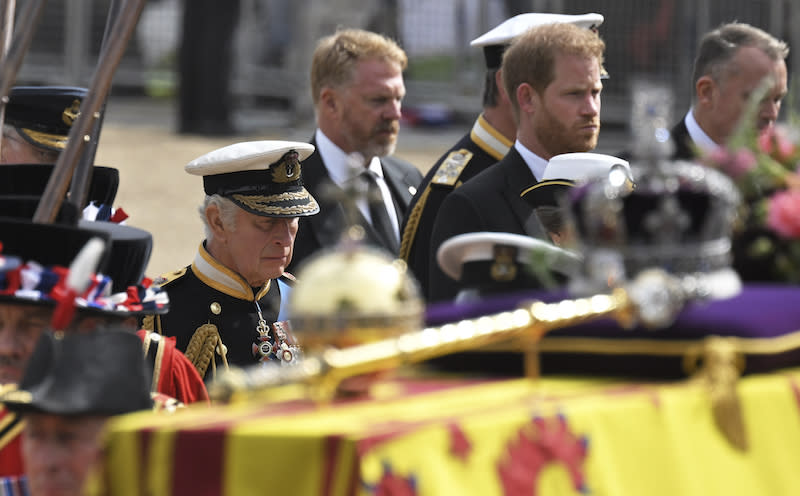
[(759, 311)]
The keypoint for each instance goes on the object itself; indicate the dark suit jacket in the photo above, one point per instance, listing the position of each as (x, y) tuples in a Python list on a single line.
[(684, 146), (683, 142), (490, 201), (752, 265), (418, 224), (325, 229)]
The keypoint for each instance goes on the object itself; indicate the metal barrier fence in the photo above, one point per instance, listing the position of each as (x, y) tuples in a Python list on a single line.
[(274, 40)]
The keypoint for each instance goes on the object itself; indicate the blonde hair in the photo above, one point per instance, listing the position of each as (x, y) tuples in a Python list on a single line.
[(531, 58), (336, 56)]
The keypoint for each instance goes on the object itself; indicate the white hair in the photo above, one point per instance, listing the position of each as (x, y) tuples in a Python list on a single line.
[(227, 212)]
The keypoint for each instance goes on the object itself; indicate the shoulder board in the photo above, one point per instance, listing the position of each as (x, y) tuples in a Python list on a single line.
[(450, 169), (288, 278), (167, 278)]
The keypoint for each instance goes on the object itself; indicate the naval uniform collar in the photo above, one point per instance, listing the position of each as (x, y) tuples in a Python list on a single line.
[(215, 275), (489, 138)]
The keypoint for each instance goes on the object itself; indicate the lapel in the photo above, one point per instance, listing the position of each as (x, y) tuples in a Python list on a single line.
[(331, 221), (518, 177), (683, 142), (398, 181)]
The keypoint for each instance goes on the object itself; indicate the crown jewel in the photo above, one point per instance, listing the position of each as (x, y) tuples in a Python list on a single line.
[(679, 216)]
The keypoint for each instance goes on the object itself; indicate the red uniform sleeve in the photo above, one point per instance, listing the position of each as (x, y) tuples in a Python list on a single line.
[(177, 377), (10, 454)]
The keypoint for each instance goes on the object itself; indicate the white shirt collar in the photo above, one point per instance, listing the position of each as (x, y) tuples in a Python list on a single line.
[(535, 163), (337, 161), (697, 134)]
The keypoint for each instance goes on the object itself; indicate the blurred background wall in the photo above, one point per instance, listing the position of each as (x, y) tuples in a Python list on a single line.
[(274, 40)]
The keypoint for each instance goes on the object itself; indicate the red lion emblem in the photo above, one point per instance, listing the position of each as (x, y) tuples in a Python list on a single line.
[(391, 484), (537, 444)]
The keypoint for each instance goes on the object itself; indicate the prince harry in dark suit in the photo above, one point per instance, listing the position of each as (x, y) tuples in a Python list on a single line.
[(552, 76)]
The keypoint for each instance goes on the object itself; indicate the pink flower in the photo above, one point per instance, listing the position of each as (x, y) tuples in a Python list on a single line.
[(775, 143), (792, 181), (783, 213), (734, 163)]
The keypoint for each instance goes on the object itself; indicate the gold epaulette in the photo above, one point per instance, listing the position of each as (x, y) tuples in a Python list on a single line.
[(450, 169), (201, 348), (169, 277)]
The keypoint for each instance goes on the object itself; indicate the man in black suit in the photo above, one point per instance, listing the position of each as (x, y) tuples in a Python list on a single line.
[(732, 62), (554, 89), (485, 144), (357, 87)]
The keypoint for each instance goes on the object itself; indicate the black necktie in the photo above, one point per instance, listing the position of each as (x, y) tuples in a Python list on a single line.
[(380, 217)]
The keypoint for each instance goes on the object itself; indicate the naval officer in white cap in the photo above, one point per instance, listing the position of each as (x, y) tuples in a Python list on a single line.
[(227, 305), (486, 143)]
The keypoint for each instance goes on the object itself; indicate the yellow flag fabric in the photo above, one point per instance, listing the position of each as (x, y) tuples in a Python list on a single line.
[(552, 436)]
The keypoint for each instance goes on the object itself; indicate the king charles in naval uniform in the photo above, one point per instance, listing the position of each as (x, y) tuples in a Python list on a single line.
[(227, 307)]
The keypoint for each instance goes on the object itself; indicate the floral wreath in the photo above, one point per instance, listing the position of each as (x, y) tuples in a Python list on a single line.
[(764, 165)]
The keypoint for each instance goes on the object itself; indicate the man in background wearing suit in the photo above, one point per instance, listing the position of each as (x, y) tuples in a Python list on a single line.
[(357, 87), (732, 62)]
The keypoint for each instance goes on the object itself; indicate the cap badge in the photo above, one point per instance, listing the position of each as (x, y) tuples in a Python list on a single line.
[(71, 113), (504, 269), (287, 169)]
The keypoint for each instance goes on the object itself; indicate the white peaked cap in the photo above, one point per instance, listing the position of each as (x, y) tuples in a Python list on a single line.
[(246, 156), (515, 26), (479, 246), (582, 166)]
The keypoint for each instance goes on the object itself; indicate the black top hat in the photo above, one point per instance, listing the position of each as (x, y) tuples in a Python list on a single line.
[(31, 179), (47, 244), (24, 207), (130, 251), (47, 250), (261, 177), (43, 115), (98, 373)]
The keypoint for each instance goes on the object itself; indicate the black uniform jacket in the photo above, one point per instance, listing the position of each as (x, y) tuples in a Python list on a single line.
[(325, 229), (472, 154), (207, 293), (491, 201)]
